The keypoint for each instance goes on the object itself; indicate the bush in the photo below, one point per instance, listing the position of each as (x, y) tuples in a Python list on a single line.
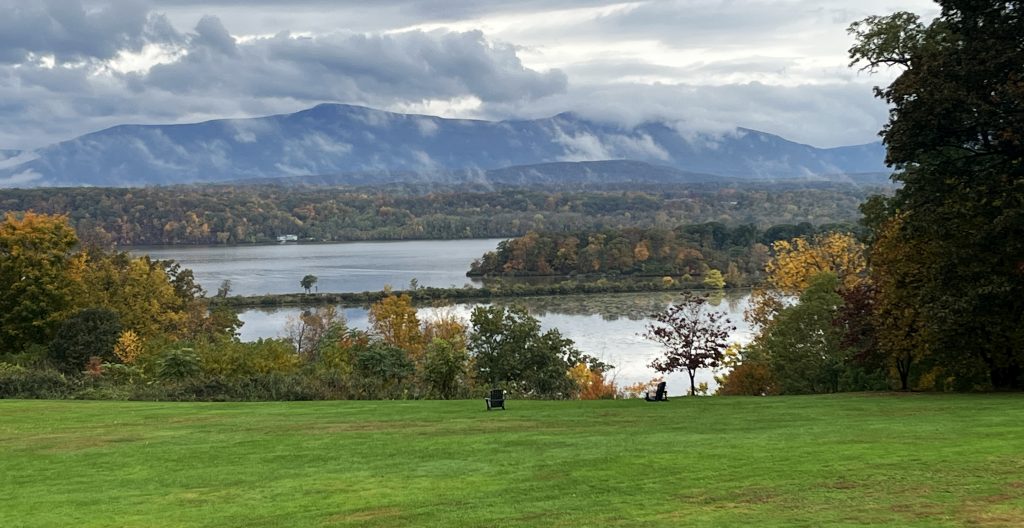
[(92, 332), (178, 365), (231, 358), (748, 379), (118, 373), (380, 370), (266, 387), (20, 382), (444, 369)]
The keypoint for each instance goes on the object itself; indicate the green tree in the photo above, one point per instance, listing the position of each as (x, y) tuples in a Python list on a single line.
[(381, 368), (802, 345), (956, 139), (714, 279), (509, 349), (92, 332), (444, 368), (308, 282)]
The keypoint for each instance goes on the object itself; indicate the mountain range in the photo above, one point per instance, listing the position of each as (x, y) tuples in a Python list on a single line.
[(376, 146)]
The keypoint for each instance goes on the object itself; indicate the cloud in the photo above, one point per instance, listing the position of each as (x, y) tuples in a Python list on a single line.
[(69, 32), (68, 67), (426, 126), (212, 35), (821, 115), (582, 147), (209, 73), (19, 179), (369, 69)]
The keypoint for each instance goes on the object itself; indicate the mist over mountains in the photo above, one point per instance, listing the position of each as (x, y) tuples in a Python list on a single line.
[(372, 145)]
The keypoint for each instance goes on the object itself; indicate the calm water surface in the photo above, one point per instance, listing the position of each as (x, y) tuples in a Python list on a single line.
[(343, 267), (606, 326)]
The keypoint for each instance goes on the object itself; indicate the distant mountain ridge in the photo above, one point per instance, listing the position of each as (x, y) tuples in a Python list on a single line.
[(337, 139)]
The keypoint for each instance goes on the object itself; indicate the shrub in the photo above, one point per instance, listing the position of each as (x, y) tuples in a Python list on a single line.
[(231, 358), (748, 379), (444, 368), (380, 370), (591, 383), (92, 332), (20, 382), (177, 365)]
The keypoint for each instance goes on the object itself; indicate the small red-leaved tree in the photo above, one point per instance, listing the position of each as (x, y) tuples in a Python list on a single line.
[(693, 335)]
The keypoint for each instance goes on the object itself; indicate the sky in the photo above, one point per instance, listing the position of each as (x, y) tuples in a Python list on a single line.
[(69, 67)]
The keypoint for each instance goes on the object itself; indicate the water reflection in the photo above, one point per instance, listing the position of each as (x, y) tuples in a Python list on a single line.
[(606, 326)]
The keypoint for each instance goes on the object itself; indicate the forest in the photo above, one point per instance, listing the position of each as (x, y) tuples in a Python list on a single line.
[(932, 297), (688, 252), (240, 214)]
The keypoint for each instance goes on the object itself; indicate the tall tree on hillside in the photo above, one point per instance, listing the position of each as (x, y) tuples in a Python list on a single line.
[(956, 139)]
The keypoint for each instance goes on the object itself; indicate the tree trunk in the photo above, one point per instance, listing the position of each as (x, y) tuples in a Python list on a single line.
[(903, 368), (692, 374)]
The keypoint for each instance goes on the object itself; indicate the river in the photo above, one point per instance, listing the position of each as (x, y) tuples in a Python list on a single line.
[(342, 267), (606, 326)]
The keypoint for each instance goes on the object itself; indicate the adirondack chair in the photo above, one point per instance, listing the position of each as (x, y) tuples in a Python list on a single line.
[(659, 395), (497, 399)]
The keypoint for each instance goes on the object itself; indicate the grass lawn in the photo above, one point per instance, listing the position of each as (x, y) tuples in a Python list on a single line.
[(850, 460)]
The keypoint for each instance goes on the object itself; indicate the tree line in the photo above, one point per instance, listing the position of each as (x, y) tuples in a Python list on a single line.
[(933, 298), (224, 214), (83, 322), (732, 256)]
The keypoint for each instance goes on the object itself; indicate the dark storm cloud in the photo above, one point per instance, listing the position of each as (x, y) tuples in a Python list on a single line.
[(72, 66), (409, 66), (213, 71), (70, 32)]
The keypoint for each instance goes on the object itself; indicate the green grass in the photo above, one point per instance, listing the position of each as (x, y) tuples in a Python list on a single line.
[(860, 460)]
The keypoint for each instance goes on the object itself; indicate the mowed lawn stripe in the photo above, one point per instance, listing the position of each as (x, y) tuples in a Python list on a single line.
[(846, 460)]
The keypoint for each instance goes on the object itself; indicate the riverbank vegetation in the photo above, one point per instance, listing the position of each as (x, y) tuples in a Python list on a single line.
[(691, 254), (81, 322), (491, 289)]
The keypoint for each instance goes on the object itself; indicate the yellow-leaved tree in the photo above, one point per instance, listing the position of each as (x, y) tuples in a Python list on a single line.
[(139, 291), (39, 277), (128, 347), (394, 319), (796, 262)]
